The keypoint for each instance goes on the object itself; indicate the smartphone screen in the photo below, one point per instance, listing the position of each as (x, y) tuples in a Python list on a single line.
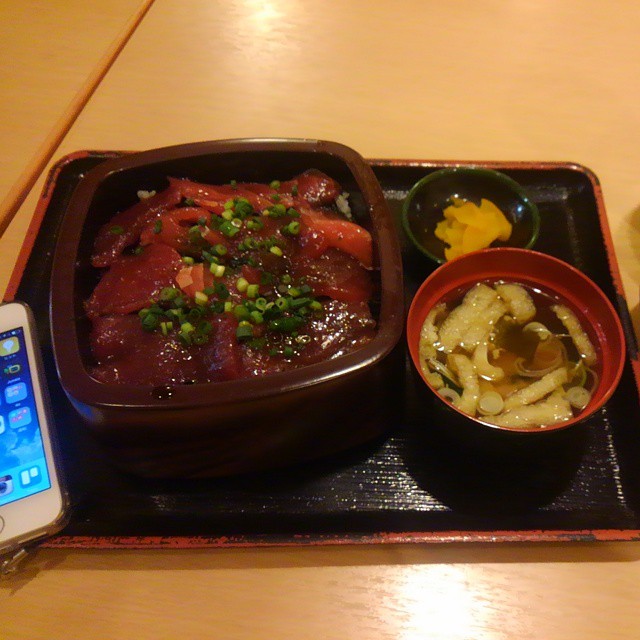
[(23, 464)]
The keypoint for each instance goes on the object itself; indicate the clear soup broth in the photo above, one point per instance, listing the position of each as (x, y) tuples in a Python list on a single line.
[(510, 355)]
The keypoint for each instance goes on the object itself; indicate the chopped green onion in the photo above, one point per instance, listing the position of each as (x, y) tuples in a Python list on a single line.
[(255, 224), (288, 351), (257, 317), (293, 292), (315, 305), (291, 229), (275, 184), (277, 251), (200, 339), (237, 223), (261, 304), (296, 303), (228, 205), (189, 202), (286, 279), (187, 260), (227, 214), (185, 338), (217, 269), (243, 208), (205, 327), (221, 290), (286, 325), (201, 298), (228, 229), (195, 314), (490, 403), (282, 304), (266, 277), (244, 331), (277, 211), (578, 397), (157, 227), (150, 322), (187, 327), (220, 249), (168, 294), (257, 343), (241, 312), (252, 290), (242, 284), (228, 307), (293, 213), (116, 230)]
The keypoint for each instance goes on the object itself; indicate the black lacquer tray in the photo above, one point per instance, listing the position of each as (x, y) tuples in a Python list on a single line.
[(412, 485)]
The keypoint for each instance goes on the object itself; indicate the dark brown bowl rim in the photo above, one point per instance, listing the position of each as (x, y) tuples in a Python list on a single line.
[(79, 385)]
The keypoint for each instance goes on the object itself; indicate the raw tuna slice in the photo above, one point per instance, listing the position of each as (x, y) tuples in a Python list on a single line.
[(172, 229), (315, 187), (213, 197), (221, 355), (127, 354), (132, 281), (123, 230), (321, 232), (344, 327), (336, 275)]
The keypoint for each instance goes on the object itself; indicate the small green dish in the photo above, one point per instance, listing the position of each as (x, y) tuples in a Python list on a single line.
[(424, 205)]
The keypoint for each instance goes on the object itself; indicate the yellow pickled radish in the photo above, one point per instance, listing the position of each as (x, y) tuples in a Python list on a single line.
[(468, 227)]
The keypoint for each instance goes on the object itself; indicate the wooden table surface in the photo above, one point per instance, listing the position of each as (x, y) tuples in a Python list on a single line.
[(53, 54), (503, 80)]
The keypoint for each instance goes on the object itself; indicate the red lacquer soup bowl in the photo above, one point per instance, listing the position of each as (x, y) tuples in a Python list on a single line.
[(216, 428), (541, 273)]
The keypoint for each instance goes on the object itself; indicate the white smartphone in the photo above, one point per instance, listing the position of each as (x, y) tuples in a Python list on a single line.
[(33, 502)]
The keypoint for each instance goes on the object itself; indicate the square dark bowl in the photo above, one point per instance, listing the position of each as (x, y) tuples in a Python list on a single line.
[(229, 427)]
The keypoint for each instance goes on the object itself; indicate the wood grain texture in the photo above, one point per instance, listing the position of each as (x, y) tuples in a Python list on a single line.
[(508, 80), (439, 593), (57, 53)]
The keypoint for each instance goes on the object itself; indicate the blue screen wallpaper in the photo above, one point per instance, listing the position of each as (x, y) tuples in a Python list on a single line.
[(23, 468)]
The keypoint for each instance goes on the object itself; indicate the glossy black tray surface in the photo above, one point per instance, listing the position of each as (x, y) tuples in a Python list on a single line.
[(411, 485)]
